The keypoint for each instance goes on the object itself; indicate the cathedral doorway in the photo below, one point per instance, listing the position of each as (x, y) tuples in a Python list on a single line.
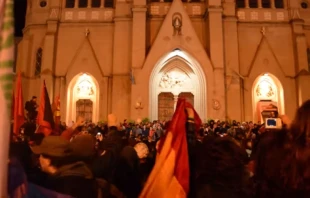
[(84, 108), (177, 75), (83, 98), (268, 94)]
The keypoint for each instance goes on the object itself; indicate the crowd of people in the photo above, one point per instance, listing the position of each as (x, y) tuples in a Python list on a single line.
[(242, 160)]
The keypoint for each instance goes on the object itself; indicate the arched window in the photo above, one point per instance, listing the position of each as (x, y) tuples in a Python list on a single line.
[(70, 3), (279, 3), (240, 3), (38, 62), (95, 3), (82, 3), (109, 3), (253, 3), (266, 4)]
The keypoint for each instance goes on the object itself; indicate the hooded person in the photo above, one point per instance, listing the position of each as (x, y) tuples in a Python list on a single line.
[(67, 174)]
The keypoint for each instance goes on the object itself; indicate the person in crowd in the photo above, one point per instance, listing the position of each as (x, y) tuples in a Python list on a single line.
[(67, 174), (221, 169), (145, 163), (31, 108)]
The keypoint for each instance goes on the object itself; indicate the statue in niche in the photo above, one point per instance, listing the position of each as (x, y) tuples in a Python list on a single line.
[(177, 24)]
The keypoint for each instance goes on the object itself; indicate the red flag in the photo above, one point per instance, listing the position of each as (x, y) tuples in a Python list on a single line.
[(45, 118), (170, 175), (19, 117), (56, 111), (12, 107)]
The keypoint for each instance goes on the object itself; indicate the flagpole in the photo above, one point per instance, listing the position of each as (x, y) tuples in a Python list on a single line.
[(37, 128)]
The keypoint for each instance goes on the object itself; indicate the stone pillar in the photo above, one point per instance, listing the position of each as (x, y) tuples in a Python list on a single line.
[(301, 57), (246, 4), (217, 56), (259, 3), (121, 85), (63, 98), (234, 91), (102, 4), (175, 98), (76, 4), (138, 33), (48, 57), (303, 82), (272, 3)]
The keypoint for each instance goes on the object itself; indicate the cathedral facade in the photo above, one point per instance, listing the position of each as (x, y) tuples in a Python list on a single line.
[(135, 58)]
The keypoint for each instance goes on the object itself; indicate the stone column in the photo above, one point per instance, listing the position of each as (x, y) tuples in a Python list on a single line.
[(301, 57), (175, 97), (76, 4), (272, 4), (217, 55), (246, 4), (259, 3), (102, 4), (234, 91), (121, 85), (48, 57), (89, 3), (138, 33), (63, 97)]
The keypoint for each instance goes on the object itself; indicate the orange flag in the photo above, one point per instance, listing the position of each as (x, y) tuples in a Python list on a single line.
[(170, 175), (45, 118), (19, 117)]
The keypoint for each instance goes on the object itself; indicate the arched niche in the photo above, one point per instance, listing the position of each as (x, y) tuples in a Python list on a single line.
[(267, 90), (175, 73), (82, 87)]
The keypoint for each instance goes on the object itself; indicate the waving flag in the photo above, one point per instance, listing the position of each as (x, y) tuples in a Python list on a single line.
[(45, 118), (170, 175), (6, 85), (19, 117)]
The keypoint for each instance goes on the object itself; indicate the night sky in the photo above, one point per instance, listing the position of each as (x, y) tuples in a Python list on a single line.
[(19, 14)]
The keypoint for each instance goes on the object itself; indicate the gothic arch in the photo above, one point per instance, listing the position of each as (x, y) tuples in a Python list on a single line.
[(194, 72), (267, 87), (74, 93)]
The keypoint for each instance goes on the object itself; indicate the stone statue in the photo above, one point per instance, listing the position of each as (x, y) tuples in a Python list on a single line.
[(177, 24)]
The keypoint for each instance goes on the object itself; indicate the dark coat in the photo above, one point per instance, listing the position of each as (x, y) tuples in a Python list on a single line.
[(75, 180)]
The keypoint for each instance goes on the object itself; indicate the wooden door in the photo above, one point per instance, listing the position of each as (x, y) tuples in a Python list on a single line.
[(84, 108), (165, 106)]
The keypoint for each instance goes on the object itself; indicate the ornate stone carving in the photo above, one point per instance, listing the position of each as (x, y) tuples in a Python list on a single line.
[(177, 24), (264, 90), (170, 81), (85, 87), (216, 104)]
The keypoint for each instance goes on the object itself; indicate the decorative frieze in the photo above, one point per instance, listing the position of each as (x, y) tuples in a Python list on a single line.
[(68, 15), (263, 15), (81, 15)]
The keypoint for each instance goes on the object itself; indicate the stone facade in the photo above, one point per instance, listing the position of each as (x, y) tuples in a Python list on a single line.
[(133, 50)]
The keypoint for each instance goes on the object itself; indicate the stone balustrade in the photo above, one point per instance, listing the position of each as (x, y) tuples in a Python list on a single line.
[(265, 15), (162, 8)]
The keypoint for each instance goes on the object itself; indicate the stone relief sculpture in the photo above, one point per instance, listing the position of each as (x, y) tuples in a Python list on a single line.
[(177, 24), (264, 90), (85, 88), (170, 81), (216, 104)]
